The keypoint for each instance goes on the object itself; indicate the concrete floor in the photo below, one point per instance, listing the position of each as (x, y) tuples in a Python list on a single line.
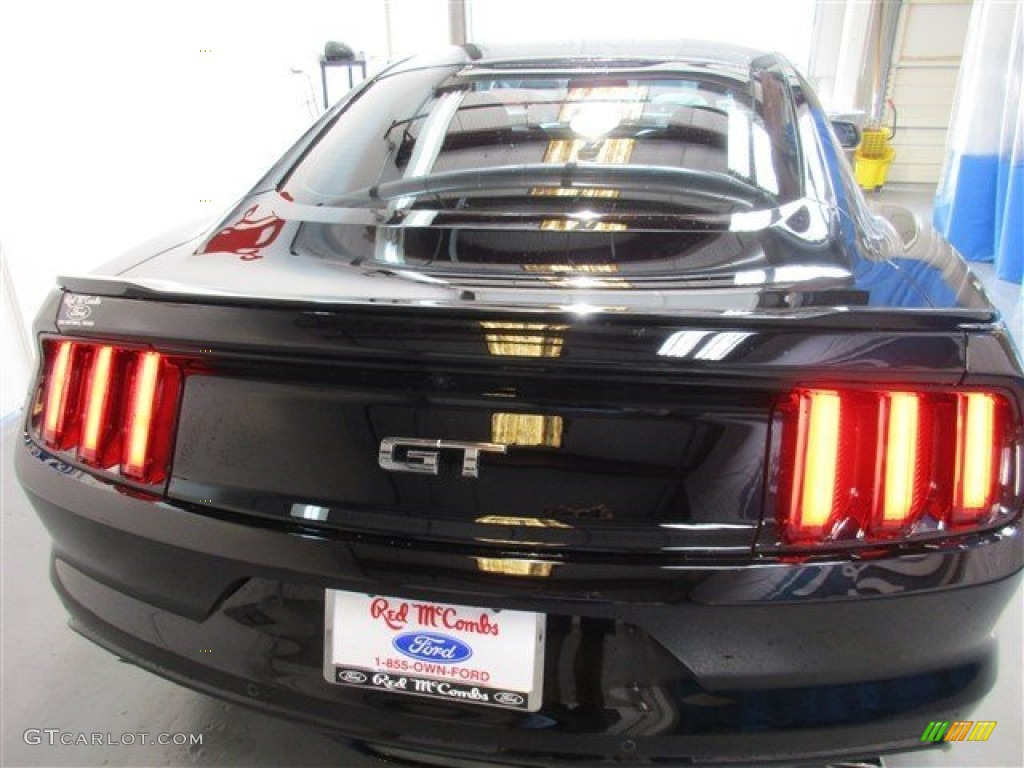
[(52, 678)]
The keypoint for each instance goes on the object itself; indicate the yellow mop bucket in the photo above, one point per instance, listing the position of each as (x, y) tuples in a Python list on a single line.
[(873, 158), (874, 155)]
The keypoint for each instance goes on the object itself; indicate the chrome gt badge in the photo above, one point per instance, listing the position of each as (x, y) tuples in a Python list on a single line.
[(412, 454)]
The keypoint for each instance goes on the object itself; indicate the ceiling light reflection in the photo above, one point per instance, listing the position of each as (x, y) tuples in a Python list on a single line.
[(703, 345), (527, 429), (681, 344), (580, 276), (764, 166), (799, 273), (595, 121), (750, 277), (597, 269), (738, 156), (310, 512), (592, 113), (567, 225), (529, 522), (523, 339), (751, 221), (509, 567), (581, 308), (721, 345)]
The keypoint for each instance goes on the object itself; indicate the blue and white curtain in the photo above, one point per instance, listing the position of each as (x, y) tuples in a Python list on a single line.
[(979, 205)]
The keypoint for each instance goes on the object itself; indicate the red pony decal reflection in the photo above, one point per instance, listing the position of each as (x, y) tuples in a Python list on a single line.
[(246, 236)]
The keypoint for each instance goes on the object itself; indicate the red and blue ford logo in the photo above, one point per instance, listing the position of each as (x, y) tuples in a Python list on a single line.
[(432, 646)]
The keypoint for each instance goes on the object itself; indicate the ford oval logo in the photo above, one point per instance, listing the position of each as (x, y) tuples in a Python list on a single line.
[(431, 646), (507, 697), (351, 676)]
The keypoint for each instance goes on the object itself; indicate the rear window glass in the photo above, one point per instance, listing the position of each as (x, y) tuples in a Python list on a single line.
[(442, 139)]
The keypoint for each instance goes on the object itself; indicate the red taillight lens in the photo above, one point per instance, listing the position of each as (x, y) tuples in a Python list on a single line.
[(865, 465), (114, 407)]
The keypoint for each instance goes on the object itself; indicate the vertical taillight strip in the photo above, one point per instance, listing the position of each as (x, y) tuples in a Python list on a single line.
[(899, 454), (817, 460), (149, 430), (58, 393), (140, 415), (977, 458), (97, 402)]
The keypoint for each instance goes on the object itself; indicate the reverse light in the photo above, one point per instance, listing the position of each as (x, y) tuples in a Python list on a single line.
[(858, 466), (113, 407)]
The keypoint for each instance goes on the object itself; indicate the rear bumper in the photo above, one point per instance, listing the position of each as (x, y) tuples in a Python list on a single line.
[(666, 660)]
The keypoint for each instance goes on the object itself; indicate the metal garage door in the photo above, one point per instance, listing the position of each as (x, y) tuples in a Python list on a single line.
[(930, 41)]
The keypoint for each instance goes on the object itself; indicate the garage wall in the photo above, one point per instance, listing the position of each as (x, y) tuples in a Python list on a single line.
[(124, 119), (14, 370), (930, 42), (786, 26)]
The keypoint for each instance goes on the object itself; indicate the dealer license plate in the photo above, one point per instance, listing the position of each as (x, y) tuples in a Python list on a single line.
[(421, 648)]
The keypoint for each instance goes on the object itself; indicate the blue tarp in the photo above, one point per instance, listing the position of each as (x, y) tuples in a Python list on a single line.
[(979, 205)]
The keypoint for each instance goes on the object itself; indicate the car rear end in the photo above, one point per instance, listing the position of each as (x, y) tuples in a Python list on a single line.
[(539, 410), (729, 541)]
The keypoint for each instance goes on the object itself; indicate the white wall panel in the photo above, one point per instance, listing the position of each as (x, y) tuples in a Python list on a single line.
[(934, 31), (417, 26), (783, 26), (123, 119), (14, 345)]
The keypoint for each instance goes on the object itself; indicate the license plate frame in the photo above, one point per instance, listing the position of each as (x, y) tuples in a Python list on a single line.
[(418, 647)]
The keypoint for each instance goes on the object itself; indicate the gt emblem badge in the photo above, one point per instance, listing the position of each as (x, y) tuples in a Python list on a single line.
[(411, 454)]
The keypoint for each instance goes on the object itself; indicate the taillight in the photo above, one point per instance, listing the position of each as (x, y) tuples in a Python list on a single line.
[(113, 407), (857, 466)]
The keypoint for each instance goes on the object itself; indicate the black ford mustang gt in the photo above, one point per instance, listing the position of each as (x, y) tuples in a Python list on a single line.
[(542, 406)]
